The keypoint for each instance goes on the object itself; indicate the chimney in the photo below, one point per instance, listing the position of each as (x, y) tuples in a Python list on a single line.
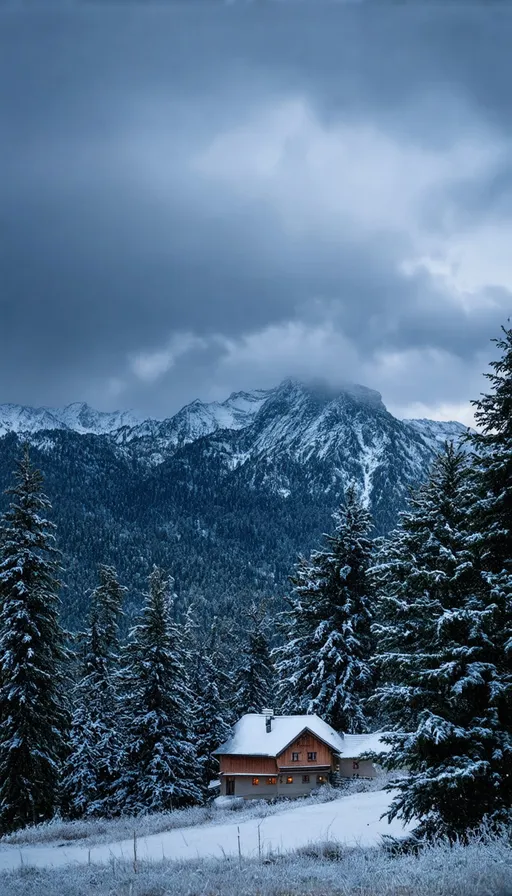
[(269, 715)]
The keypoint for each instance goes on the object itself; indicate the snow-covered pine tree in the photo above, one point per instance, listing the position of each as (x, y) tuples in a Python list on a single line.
[(440, 684), (33, 709), (492, 513), (212, 721), (92, 768), (255, 676), (160, 763), (324, 664)]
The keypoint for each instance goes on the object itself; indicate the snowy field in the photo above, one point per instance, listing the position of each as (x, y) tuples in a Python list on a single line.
[(351, 820), (484, 868)]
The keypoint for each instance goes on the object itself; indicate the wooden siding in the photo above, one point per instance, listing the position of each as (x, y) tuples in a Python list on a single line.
[(248, 765), (303, 745)]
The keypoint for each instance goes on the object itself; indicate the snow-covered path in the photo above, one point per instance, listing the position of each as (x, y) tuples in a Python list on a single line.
[(352, 819)]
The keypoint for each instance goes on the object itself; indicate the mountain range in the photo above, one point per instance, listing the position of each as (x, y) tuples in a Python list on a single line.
[(223, 494)]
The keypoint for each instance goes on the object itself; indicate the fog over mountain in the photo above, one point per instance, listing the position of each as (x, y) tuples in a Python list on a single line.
[(204, 197)]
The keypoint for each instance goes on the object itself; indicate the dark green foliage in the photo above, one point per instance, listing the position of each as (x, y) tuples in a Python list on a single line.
[(255, 676), (442, 677), (92, 769), (492, 513), (33, 707), (324, 664), (160, 768), (212, 711)]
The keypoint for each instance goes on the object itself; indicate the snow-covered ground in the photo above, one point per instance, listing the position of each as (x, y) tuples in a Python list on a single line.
[(351, 820)]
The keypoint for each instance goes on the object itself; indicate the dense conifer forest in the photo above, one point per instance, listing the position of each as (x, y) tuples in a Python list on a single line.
[(410, 631)]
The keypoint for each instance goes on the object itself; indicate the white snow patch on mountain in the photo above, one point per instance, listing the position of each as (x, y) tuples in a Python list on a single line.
[(436, 432), (78, 417)]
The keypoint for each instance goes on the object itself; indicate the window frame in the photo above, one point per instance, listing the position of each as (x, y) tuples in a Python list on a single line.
[(312, 756), (271, 782), (289, 779), (295, 757), (255, 782), (305, 779)]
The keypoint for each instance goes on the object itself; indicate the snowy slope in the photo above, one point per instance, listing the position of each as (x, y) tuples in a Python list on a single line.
[(154, 439), (78, 417), (272, 437), (436, 432), (352, 819)]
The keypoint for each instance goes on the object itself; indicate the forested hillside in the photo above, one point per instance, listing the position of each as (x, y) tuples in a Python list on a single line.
[(225, 510)]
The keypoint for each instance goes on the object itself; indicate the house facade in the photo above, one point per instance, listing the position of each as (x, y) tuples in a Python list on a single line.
[(271, 756)]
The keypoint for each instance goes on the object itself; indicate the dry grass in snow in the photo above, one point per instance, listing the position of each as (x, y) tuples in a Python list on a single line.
[(482, 868)]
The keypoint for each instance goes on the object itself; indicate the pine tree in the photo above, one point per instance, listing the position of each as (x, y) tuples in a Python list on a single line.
[(160, 764), (440, 682), (211, 709), (33, 713), (492, 514), (324, 665), (254, 685), (92, 768)]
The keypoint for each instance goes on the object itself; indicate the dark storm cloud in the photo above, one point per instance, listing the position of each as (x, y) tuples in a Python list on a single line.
[(167, 215)]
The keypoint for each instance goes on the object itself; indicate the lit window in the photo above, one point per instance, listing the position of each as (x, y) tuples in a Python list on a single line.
[(271, 781), (255, 782), (289, 779), (321, 779), (295, 757), (305, 779), (311, 757)]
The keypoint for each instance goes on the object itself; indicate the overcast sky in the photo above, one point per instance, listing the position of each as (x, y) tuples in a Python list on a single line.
[(199, 199)]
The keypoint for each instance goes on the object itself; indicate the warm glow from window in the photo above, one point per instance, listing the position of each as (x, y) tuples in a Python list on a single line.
[(271, 780), (255, 782), (289, 779)]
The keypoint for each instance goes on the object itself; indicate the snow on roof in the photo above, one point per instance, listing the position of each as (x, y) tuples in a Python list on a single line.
[(250, 737), (355, 745)]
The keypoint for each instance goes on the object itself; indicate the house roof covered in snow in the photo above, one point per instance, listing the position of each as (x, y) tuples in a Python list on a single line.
[(356, 745), (251, 738)]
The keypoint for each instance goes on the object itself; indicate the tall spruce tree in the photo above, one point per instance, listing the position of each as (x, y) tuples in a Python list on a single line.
[(211, 708), (255, 676), (440, 683), (33, 708), (92, 768), (160, 764), (492, 512), (324, 664)]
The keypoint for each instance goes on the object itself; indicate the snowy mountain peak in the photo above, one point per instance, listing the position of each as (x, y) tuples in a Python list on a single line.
[(324, 393), (77, 416), (436, 432)]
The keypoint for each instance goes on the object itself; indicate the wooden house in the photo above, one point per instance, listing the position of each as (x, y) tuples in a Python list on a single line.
[(271, 756)]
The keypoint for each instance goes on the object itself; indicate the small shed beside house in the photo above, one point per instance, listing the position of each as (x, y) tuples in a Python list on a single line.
[(271, 756)]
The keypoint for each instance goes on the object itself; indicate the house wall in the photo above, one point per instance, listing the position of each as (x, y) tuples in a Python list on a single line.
[(264, 791), (246, 789), (366, 768), (303, 745), (248, 765), (298, 787)]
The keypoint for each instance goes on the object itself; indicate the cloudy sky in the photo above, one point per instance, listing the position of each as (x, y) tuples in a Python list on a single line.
[(198, 199)]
